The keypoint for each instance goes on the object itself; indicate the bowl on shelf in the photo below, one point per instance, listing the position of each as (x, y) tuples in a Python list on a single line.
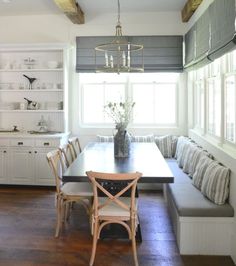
[(52, 64)]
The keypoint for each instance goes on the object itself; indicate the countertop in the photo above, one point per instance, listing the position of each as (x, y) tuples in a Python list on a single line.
[(25, 134)]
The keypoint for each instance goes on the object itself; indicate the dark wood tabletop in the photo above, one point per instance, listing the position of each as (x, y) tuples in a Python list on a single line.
[(144, 157)]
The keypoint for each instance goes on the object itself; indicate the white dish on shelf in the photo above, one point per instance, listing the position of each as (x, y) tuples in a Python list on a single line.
[(52, 64)]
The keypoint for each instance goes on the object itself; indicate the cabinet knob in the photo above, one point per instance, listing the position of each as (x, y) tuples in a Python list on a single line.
[(20, 143), (29, 151), (46, 143), (4, 151), (35, 151)]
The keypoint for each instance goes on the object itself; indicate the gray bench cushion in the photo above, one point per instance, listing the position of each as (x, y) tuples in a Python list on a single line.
[(179, 175), (190, 202)]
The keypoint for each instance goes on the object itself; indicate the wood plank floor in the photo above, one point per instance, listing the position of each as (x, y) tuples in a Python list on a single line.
[(27, 222)]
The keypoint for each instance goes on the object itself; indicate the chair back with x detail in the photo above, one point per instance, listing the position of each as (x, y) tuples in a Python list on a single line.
[(75, 146), (67, 193), (114, 207)]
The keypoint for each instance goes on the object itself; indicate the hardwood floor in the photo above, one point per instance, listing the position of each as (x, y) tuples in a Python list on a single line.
[(27, 223)]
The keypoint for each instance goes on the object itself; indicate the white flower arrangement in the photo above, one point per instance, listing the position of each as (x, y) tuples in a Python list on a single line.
[(120, 112)]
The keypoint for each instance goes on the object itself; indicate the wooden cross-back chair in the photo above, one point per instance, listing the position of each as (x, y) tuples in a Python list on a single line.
[(67, 193), (75, 146), (114, 207), (68, 154)]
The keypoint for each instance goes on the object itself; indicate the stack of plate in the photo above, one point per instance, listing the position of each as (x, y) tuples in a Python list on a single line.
[(7, 106)]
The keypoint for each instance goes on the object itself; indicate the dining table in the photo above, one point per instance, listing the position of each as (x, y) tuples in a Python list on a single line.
[(144, 157), (99, 156)]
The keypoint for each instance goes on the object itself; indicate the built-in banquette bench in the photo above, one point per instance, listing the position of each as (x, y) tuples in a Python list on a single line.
[(198, 199)]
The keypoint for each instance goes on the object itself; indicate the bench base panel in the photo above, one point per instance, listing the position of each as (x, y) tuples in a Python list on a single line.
[(201, 235)]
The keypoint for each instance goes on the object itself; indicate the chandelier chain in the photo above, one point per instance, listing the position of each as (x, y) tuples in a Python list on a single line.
[(118, 11)]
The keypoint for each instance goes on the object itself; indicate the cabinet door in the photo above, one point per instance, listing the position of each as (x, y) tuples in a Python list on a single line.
[(43, 173), (22, 166), (4, 179)]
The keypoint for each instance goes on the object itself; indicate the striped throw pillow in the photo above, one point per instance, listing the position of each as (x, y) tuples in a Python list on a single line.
[(187, 162), (174, 145), (105, 138), (215, 184), (197, 154), (147, 138), (164, 143), (201, 168), (182, 155), (181, 141)]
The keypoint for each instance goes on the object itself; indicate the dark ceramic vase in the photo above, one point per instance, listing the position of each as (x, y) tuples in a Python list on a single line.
[(121, 143)]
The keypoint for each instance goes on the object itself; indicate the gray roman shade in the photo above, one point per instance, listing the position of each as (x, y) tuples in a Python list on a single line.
[(190, 49), (222, 14), (202, 36), (161, 53), (214, 34)]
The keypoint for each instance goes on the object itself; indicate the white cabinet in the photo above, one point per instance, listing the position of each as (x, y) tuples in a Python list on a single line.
[(38, 73), (23, 161), (43, 173), (21, 166), (4, 159)]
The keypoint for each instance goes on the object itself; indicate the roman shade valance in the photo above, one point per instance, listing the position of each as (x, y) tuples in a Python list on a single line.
[(161, 53), (223, 16), (212, 35)]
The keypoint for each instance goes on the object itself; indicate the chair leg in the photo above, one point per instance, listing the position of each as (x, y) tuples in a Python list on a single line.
[(134, 242), (59, 218), (95, 239), (68, 207)]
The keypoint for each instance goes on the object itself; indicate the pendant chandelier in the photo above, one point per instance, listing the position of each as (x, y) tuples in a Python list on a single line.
[(118, 55)]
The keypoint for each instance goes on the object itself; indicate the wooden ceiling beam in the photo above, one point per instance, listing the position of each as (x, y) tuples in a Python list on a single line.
[(189, 8), (72, 10)]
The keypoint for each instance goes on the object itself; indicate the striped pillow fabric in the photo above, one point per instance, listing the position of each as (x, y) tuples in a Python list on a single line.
[(196, 156), (182, 155), (215, 184), (201, 168), (181, 141), (105, 138), (187, 162), (147, 138), (174, 145), (164, 143)]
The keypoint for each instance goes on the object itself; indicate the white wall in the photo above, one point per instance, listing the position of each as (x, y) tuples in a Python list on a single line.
[(57, 28)]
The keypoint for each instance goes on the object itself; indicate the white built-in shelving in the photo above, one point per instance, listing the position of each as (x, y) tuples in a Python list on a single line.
[(23, 155)]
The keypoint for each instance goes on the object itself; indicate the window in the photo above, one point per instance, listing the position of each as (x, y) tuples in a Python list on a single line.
[(154, 103), (214, 107), (95, 96), (155, 97), (230, 101), (199, 105), (219, 112)]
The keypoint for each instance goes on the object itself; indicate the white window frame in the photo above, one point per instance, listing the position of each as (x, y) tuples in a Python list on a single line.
[(128, 95), (226, 68)]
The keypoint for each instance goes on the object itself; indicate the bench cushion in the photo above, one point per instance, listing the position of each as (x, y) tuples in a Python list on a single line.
[(179, 175), (190, 202)]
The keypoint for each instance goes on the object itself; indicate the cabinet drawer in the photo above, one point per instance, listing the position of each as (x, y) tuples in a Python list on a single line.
[(22, 142), (4, 142), (47, 143)]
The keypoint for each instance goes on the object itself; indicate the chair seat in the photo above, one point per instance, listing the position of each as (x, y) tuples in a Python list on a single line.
[(112, 209), (77, 189)]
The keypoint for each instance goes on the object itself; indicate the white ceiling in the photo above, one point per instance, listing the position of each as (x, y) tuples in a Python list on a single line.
[(37, 7)]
